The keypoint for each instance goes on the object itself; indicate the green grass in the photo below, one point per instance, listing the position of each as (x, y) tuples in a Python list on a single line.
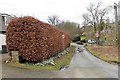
[(64, 60), (107, 58)]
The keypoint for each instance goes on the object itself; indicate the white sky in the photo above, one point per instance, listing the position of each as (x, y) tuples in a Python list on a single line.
[(71, 10)]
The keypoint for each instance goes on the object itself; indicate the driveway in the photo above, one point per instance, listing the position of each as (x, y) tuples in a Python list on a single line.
[(83, 65)]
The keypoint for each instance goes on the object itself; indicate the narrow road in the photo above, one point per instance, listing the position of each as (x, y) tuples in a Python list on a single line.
[(83, 65)]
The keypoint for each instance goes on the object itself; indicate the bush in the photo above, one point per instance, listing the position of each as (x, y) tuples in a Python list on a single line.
[(35, 40), (76, 38)]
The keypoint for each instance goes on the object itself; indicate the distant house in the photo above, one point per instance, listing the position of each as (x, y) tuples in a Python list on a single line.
[(4, 21)]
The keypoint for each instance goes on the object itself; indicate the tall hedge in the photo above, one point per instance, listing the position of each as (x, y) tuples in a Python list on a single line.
[(35, 40)]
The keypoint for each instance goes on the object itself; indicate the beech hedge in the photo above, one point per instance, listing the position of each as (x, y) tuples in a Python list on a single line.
[(35, 40)]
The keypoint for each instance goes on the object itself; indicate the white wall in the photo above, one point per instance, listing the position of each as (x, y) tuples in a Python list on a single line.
[(2, 40)]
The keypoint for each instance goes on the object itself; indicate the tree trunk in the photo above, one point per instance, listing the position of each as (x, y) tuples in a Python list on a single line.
[(94, 27)]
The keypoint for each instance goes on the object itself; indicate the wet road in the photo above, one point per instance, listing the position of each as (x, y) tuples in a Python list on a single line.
[(83, 65)]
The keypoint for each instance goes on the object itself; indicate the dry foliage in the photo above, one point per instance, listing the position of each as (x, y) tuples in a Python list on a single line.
[(35, 40)]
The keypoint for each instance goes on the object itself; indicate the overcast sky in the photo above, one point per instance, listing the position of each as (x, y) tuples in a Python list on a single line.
[(71, 10)]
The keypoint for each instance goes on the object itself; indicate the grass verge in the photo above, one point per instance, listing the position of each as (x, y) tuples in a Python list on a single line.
[(102, 53), (62, 61)]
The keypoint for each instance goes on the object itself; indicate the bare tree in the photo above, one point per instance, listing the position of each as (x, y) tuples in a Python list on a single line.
[(54, 20), (86, 19), (95, 15)]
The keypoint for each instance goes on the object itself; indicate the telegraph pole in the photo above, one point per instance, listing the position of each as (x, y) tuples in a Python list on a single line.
[(116, 22), (119, 31)]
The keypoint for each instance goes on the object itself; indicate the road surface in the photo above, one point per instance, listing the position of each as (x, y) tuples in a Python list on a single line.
[(83, 65)]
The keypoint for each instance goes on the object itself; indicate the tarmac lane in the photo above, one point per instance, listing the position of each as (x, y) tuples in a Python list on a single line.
[(85, 65)]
